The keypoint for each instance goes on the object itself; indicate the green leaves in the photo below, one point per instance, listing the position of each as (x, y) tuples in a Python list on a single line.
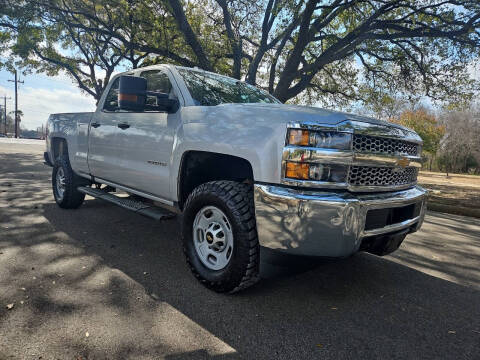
[(426, 125)]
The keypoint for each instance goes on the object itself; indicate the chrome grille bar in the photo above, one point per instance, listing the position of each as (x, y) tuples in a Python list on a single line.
[(345, 157)]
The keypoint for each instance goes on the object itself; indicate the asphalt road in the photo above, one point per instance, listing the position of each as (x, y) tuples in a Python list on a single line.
[(103, 283)]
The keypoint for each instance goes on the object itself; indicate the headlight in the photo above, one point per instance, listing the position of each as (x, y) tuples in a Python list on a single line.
[(316, 172), (320, 139)]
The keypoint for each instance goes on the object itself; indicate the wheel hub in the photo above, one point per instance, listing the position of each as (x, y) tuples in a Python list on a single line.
[(213, 238), (216, 237), (60, 183)]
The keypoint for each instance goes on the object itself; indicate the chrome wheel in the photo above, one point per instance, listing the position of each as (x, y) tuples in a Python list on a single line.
[(60, 183), (213, 238)]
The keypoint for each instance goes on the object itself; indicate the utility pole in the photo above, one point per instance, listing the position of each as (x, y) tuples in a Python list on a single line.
[(16, 102), (5, 112)]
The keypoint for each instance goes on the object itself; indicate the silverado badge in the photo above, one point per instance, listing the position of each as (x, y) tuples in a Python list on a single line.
[(159, 163)]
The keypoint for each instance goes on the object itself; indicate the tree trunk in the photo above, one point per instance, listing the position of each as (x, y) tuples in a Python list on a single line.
[(189, 35), (291, 65), (237, 58), (253, 68)]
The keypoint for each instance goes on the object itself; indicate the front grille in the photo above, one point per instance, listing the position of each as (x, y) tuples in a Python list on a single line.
[(381, 176), (366, 143)]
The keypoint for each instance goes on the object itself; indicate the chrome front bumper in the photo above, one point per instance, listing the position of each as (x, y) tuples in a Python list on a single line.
[(325, 223)]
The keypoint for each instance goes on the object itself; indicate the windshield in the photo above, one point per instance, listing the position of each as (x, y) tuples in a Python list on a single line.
[(210, 89)]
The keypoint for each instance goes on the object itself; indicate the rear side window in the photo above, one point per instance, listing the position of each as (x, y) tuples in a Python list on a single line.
[(111, 101), (157, 81)]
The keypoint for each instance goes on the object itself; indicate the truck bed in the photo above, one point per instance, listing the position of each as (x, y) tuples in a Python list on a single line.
[(73, 127), (72, 115)]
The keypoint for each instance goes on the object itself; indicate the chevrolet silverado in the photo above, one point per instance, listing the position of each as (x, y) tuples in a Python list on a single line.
[(242, 169)]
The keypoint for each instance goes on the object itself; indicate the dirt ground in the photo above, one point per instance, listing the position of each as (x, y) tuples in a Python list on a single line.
[(454, 194)]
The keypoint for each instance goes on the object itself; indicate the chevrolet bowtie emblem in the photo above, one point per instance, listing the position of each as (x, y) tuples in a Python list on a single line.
[(403, 162)]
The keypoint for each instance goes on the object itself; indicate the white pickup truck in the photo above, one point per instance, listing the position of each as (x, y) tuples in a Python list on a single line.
[(243, 169)]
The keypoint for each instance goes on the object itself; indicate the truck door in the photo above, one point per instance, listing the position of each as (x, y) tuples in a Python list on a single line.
[(103, 148), (145, 141)]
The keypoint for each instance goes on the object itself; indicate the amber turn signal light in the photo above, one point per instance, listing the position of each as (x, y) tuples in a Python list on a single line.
[(297, 170), (298, 137), (127, 97)]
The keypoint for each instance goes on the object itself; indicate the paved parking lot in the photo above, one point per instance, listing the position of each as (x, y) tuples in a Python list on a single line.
[(103, 283)]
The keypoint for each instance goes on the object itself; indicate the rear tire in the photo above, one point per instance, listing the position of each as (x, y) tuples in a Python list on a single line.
[(233, 218), (65, 183)]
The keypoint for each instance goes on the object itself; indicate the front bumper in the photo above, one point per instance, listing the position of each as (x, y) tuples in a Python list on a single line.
[(326, 223)]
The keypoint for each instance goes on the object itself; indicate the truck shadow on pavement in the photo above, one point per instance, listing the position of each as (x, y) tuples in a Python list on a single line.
[(448, 246), (122, 280), (303, 307)]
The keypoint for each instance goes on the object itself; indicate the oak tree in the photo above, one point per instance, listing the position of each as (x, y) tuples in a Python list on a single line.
[(333, 52)]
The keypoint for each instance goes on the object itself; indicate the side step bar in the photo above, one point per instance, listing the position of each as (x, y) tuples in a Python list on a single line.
[(137, 206)]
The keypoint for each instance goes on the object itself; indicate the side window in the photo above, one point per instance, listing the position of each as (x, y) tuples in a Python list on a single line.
[(111, 101), (157, 81)]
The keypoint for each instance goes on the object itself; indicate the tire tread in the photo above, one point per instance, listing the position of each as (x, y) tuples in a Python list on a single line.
[(239, 198), (72, 198)]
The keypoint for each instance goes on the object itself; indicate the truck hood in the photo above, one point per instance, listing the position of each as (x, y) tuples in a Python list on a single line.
[(281, 113)]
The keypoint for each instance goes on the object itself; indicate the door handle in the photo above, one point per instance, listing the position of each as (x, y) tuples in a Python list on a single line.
[(95, 124), (123, 126)]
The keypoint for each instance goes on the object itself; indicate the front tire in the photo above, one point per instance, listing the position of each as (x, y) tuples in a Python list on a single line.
[(65, 183), (220, 237)]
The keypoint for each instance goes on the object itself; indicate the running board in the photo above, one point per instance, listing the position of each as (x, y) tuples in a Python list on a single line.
[(136, 206)]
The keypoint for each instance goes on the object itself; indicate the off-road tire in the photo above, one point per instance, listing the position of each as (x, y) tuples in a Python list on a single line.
[(72, 198), (236, 201)]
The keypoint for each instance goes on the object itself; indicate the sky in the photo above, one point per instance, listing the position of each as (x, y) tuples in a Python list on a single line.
[(41, 96)]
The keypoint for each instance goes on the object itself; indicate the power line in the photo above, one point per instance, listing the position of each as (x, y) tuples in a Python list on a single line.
[(16, 81)]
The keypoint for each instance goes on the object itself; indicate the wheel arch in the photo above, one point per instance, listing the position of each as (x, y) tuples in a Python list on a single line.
[(199, 167), (59, 147)]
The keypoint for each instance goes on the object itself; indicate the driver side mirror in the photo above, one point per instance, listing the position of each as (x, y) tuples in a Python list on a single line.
[(132, 93)]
